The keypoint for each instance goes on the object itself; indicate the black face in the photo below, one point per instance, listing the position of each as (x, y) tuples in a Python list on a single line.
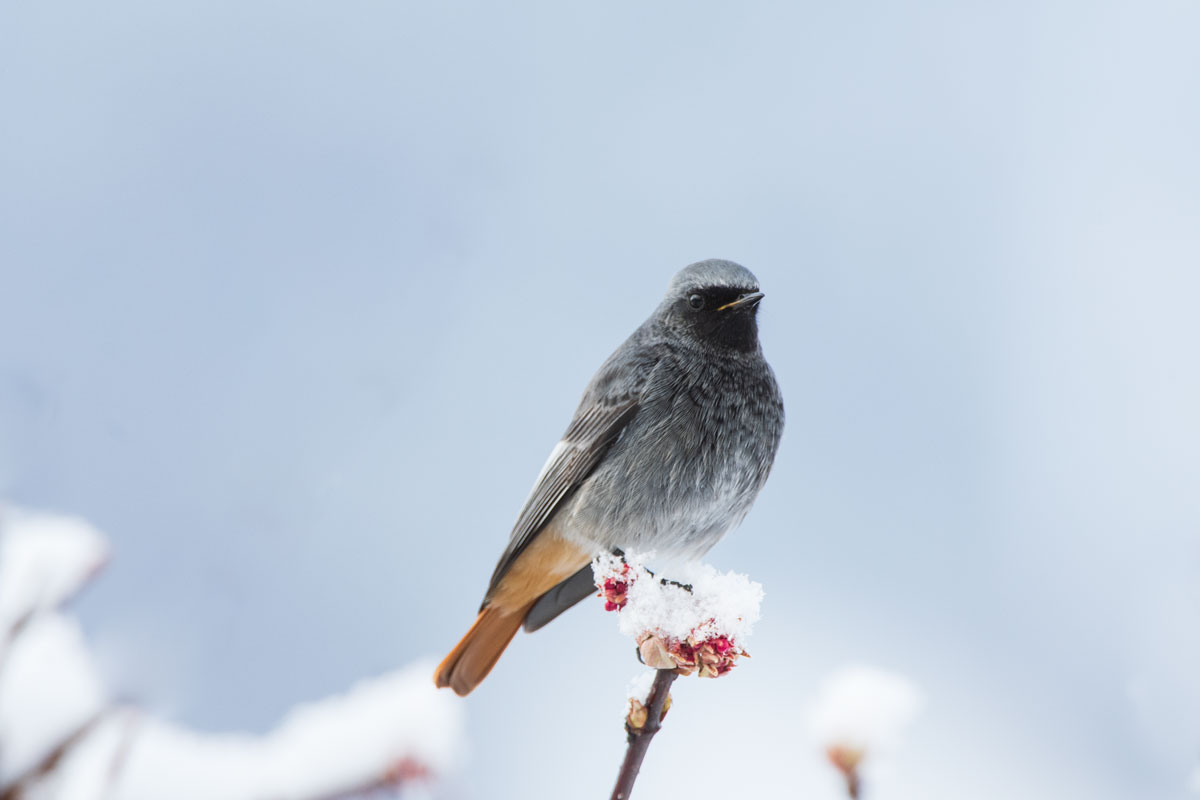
[(722, 316)]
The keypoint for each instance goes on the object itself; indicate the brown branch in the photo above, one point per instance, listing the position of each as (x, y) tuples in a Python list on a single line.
[(639, 737), (853, 785), (846, 760), (21, 784)]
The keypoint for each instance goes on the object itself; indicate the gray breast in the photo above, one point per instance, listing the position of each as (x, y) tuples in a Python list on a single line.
[(691, 462)]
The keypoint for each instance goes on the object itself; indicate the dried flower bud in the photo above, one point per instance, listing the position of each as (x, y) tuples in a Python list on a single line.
[(614, 586), (654, 653), (636, 718), (639, 712), (615, 594), (716, 656), (846, 759)]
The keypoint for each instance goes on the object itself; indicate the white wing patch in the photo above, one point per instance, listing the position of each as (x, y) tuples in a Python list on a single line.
[(555, 454)]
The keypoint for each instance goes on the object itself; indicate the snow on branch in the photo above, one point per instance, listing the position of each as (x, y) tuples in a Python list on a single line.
[(862, 711), (387, 731), (49, 690), (44, 560), (697, 623)]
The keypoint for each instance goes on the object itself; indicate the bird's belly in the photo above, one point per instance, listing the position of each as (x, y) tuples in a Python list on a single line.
[(666, 495)]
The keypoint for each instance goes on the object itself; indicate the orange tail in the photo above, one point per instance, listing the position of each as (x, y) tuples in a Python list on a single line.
[(473, 658), (547, 560)]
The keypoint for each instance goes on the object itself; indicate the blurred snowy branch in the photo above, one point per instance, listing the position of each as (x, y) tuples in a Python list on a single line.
[(680, 628), (44, 560), (862, 711), (62, 739)]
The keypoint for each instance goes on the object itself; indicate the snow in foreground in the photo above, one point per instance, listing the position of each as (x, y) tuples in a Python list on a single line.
[(62, 739)]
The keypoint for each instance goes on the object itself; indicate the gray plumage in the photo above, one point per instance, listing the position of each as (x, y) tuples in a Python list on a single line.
[(672, 441)]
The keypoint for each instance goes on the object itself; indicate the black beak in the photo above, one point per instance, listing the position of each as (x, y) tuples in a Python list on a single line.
[(745, 301)]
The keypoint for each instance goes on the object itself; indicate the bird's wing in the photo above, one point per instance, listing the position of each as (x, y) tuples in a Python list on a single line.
[(610, 402), (560, 598)]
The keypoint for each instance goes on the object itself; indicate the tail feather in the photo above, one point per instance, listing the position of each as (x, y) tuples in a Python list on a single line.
[(546, 561), (554, 602), (473, 658)]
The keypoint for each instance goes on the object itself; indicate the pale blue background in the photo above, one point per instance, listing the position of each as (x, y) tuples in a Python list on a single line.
[(295, 298)]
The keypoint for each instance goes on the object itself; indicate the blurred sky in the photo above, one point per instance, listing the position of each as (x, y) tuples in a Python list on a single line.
[(295, 299)]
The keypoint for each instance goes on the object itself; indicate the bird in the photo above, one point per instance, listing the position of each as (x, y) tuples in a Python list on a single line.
[(673, 439)]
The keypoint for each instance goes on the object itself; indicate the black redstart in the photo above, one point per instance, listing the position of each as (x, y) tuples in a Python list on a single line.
[(670, 445)]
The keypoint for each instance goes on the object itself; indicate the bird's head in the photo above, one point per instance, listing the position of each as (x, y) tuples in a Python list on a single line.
[(714, 302)]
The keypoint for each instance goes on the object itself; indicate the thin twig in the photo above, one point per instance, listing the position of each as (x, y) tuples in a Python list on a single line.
[(853, 786), (639, 738)]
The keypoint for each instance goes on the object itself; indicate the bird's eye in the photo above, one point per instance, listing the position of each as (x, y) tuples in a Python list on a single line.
[(696, 301)]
